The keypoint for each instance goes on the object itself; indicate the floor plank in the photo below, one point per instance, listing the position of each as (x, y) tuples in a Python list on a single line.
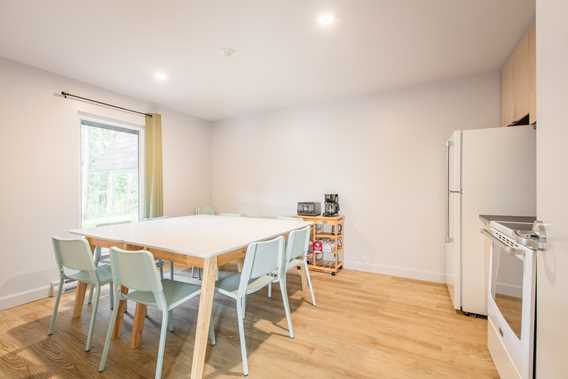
[(365, 326)]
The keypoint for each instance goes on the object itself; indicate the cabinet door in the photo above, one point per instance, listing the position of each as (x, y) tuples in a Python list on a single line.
[(532, 72), (507, 107), (521, 78)]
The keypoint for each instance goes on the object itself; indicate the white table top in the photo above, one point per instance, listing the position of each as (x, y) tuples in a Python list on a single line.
[(200, 236)]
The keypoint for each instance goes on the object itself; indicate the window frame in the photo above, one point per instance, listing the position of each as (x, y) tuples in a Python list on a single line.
[(121, 126)]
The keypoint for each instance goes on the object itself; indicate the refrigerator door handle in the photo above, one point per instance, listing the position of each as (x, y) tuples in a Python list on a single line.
[(449, 238)]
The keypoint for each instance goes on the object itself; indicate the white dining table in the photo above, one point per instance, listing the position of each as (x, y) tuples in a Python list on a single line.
[(203, 241)]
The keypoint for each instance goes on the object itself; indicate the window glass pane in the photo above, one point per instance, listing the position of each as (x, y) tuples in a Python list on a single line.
[(110, 174)]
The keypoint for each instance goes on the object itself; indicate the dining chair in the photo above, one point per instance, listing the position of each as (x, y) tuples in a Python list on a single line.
[(204, 211), (100, 257), (261, 260), (103, 257), (160, 262), (137, 271), (75, 255), (297, 255)]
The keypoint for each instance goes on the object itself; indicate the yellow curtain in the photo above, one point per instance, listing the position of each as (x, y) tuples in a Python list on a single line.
[(153, 193)]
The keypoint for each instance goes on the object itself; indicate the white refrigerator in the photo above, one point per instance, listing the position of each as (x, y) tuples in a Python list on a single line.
[(493, 172)]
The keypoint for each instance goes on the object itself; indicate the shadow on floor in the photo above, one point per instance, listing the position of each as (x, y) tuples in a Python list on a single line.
[(27, 352)]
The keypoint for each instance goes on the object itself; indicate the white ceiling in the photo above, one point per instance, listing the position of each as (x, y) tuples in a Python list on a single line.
[(283, 58)]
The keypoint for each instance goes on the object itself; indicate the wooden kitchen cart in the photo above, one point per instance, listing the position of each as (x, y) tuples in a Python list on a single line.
[(316, 260)]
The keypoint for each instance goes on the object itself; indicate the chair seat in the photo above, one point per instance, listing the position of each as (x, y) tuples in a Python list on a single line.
[(175, 293), (229, 285), (103, 271)]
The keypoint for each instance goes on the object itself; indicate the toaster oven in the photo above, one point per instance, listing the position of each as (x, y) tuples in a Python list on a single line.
[(309, 209)]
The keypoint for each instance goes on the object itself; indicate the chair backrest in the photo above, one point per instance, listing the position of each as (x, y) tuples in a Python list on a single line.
[(73, 254), (298, 243), (262, 258), (204, 211), (135, 270), (230, 214)]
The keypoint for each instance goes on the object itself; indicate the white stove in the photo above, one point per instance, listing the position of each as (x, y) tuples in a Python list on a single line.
[(512, 294)]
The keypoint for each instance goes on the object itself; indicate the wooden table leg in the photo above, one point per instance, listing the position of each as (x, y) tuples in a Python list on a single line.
[(79, 299), (204, 316), (138, 326), (240, 264), (120, 315), (305, 288)]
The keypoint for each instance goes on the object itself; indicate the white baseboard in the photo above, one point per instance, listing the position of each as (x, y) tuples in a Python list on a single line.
[(24, 297), (54, 286), (512, 290), (42, 292), (397, 271)]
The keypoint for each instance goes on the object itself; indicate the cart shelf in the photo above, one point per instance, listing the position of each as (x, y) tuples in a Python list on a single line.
[(316, 261)]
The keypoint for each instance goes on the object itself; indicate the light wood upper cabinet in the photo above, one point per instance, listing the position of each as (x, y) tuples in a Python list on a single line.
[(521, 77), (518, 81), (507, 103), (532, 72)]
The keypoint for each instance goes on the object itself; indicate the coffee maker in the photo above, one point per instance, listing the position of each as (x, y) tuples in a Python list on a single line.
[(331, 205)]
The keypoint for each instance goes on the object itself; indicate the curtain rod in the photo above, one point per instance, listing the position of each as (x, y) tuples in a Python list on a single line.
[(67, 94)]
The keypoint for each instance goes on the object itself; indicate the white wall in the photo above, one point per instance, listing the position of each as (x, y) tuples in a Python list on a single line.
[(383, 154), (39, 162)]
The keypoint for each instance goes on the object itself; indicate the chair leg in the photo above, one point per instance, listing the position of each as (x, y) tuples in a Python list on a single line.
[(110, 331), (241, 326), (93, 318), (244, 306), (111, 289), (162, 348), (309, 278), (97, 259), (161, 264), (270, 290), (171, 321), (56, 307), (212, 339), (90, 299), (172, 270), (284, 293)]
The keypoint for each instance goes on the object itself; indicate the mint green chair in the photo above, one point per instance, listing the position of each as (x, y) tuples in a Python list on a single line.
[(137, 271), (160, 262), (261, 260), (297, 255), (204, 211), (75, 255), (100, 258)]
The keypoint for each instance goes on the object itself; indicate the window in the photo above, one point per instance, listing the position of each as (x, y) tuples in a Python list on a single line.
[(110, 173)]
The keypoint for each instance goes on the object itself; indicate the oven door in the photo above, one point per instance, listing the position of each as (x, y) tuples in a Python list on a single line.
[(511, 303)]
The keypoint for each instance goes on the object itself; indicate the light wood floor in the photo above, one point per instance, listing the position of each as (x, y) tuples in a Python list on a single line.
[(365, 326)]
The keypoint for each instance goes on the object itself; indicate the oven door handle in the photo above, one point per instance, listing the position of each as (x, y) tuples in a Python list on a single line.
[(508, 249)]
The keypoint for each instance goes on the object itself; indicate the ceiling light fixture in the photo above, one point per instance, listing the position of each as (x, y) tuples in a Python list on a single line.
[(227, 51), (160, 76), (326, 19)]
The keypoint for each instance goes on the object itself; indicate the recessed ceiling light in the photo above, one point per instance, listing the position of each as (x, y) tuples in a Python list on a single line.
[(326, 19), (227, 51), (160, 76)]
